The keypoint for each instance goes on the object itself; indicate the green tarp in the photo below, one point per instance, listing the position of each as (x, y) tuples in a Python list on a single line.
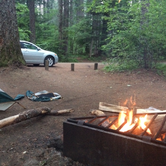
[(6, 100)]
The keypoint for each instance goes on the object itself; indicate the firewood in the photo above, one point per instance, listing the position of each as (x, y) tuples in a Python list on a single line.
[(115, 108), (99, 120), (31, 114), (155, 125), (140, 111), (111, 107), (97, 112)]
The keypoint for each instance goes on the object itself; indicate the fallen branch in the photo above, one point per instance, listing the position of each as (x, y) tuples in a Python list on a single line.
[(31, 114), (60, 112), (23, 116)]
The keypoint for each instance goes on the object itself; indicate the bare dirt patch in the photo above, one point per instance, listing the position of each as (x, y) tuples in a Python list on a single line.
[(36, 141)]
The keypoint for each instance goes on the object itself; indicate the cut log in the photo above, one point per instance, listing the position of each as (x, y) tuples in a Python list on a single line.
[(141, 111), (31, 114), (158, 124), (111, 107), (117, 109)]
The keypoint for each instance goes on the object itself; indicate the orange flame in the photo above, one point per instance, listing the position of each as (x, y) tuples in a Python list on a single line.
[(142, 125), (130, 124), (127, 116), (121, 119)]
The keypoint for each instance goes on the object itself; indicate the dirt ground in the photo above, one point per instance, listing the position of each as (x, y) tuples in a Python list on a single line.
[(38, 141)]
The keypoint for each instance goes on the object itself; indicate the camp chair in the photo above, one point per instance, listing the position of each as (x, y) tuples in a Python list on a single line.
[(7, 101)]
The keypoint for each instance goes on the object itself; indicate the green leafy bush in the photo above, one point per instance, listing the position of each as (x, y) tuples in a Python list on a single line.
[(116, 65)]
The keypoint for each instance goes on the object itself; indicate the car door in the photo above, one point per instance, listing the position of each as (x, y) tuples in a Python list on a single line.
[(31, 53)]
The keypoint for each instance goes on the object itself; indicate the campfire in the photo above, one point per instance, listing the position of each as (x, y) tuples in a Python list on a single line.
[(126, 122), (115, 133), (129, 119)]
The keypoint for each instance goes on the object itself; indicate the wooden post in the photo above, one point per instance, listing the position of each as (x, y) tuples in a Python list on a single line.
[(72, 67), (46, 65), (95, 66)]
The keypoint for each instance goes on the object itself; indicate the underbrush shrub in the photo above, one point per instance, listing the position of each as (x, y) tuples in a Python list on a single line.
[(161, 68), (116, 65)]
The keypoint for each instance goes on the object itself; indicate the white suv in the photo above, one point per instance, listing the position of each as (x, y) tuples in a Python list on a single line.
[(35, 55)]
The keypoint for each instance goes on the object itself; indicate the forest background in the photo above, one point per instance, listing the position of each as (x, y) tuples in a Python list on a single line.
[(126, 34)]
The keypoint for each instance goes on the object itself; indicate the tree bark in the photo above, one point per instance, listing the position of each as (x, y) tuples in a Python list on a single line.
[(10, 51), (71, 21), (147, 57), (60, 6), (65, 28), (31, 7)]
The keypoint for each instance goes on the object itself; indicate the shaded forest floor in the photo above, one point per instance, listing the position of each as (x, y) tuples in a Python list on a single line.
[(39, 141)]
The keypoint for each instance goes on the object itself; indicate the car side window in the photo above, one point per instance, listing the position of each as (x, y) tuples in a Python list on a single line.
[(21, 45), (28, 46), (32, 47)]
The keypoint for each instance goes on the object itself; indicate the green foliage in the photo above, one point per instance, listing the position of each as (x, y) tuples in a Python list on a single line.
[(70, 58), (80, 36), (47, 35), (161, 68), (3, 64), (134, 34), (23, 21), (116, 65), (46, 27)]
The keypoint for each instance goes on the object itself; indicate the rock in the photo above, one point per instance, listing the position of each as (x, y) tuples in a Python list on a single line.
[(56, 143)]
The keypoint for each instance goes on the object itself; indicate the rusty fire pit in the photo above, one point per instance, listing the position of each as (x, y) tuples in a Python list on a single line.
[(98, 145)]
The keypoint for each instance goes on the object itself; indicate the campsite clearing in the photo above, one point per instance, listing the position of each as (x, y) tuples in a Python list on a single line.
[(38, 141)]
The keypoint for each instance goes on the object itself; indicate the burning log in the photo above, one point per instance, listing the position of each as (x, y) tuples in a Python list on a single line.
[(158, 124), (156, 118), (111, 107), (31, 114), (117, 109)]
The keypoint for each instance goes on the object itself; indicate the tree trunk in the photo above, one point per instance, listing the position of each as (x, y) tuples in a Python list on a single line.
[(147, 57), (10, 52), (65, 28), (79, 9), (60, 6), (71, 21), (31, 7)]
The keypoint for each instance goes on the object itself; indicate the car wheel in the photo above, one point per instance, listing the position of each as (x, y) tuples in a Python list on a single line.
[(50, 60)]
